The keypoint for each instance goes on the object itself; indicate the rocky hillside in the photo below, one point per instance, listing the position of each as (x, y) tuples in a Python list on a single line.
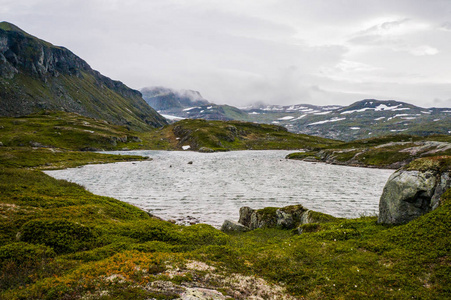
[(391, 152), (36, 75), (186, 104)]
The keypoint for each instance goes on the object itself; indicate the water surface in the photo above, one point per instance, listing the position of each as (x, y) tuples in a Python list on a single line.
[(215, 185)]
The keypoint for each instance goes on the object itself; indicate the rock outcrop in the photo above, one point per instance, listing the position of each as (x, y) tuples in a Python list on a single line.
[(36, 75), (232, 226), (288, 217), (414, 191)]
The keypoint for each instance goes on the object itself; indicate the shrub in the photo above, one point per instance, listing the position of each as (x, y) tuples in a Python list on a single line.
[(62, 235), (21, 252)]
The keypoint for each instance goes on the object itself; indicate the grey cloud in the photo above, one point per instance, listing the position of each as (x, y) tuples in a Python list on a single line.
[(317, 51)]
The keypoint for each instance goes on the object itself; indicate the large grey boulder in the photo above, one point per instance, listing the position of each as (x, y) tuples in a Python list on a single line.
[(410, 194)]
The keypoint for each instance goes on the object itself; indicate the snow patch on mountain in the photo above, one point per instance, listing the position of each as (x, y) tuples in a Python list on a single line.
[(286, 118), (190, 108), (326, 121), (322, 113)]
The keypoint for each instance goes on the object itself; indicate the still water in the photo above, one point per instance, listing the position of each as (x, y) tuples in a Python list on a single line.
[(191, 187)]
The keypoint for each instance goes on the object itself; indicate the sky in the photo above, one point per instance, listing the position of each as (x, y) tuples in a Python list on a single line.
[(240, 52)]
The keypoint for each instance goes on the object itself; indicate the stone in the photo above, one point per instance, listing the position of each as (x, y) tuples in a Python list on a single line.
[(411, 194), (232, 226), (198, 293), (245, 215), (443, 184), (206, 150), (288, 217), (36, 144)]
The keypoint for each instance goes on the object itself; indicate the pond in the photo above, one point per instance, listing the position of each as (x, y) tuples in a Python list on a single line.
[(191, 187)]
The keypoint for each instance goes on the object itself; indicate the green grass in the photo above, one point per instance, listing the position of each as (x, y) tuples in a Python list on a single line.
[(59, 241), (236, 135)]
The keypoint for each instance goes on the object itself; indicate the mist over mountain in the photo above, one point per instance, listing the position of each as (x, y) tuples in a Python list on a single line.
[(189, 104), (36, 75), (162, 98)]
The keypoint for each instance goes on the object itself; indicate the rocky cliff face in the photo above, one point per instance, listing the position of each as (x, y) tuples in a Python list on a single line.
[(36, 75), (414, 191)]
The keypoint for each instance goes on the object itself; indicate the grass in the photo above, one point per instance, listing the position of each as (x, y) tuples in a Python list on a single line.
[(59, 241), (235, 135), (72, 131)]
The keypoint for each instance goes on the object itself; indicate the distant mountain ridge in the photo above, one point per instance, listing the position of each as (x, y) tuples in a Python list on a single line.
[(188, 104), (363, 119), (36, 75)]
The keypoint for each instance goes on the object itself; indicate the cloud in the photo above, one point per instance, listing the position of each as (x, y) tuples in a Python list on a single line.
[(240, 51)]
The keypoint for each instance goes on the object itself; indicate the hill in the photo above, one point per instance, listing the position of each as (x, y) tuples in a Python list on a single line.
[(209, 136), (71, 131), (36, 75)]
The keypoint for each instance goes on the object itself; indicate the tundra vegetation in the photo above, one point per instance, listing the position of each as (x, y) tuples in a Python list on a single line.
[(59, 241)]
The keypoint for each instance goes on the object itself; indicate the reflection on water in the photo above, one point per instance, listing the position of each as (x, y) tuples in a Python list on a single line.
[(215, 185)]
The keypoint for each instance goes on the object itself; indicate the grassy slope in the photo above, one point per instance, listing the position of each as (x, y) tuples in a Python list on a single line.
[(234, 135), (75, 132), (68, 131)]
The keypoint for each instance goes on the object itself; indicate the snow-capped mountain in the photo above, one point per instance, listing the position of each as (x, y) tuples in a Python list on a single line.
[(362, 119)]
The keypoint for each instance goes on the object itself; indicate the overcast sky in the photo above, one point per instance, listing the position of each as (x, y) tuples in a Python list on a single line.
[(275, 51)]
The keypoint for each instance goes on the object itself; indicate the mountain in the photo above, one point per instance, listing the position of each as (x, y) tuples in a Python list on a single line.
[(161, 98), (360, 120), (188, 104), (36, 75)]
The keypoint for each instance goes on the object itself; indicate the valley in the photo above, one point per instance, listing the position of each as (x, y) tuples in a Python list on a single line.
[(60, 241)]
